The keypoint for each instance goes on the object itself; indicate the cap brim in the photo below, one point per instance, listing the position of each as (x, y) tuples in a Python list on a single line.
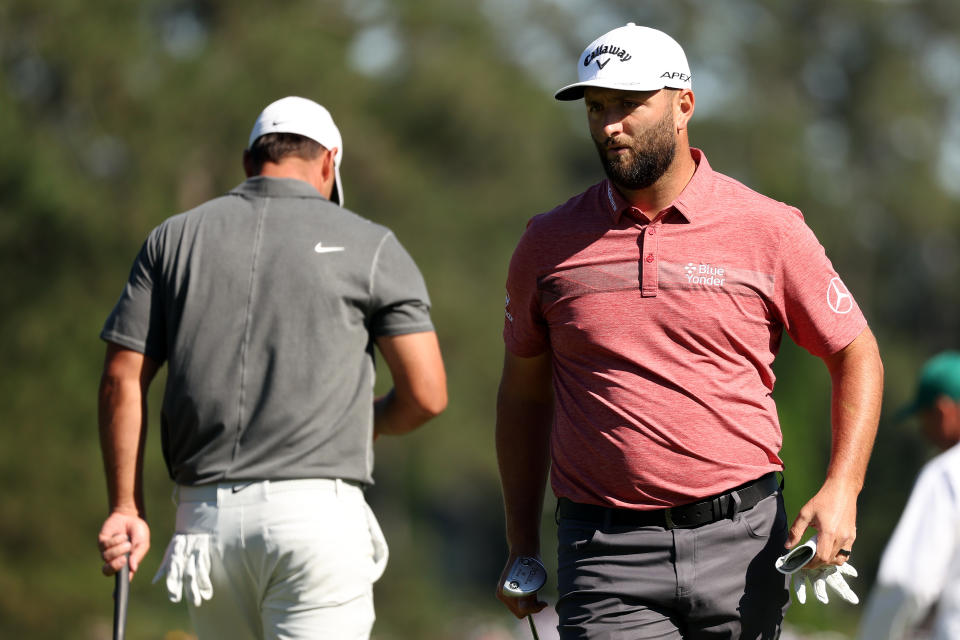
[(570, 92), (337, 194), (575, 91)]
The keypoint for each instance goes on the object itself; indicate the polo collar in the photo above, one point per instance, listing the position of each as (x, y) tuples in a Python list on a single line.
[(691, 201), (696, 199), (265, 187), (617, 205)]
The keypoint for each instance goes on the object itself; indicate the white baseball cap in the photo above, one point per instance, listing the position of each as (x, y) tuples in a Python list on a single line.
[(306, 118), (630, 58)]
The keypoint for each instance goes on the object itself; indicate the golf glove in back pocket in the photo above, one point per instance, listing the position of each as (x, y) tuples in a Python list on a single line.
[(186, 564)]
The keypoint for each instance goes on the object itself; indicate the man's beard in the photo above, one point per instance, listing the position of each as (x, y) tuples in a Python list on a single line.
[(652, 152)]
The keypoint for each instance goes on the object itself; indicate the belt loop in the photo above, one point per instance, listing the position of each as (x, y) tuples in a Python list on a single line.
[(735, 500), (607, 518), (556, 512), (175, 495), (337, 486)]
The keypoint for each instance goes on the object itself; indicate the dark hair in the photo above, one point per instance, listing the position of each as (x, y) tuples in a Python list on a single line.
[(273, 147)]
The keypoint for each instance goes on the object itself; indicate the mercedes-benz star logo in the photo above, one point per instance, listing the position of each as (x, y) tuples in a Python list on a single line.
[(838, 297)]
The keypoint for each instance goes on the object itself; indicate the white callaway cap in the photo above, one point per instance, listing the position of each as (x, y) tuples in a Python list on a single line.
[(306, 118), (630, 58)]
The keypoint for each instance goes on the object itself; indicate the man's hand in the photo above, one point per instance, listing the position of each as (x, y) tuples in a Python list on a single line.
[(523, 606), (793, 564), (122, 534), (833, 513)]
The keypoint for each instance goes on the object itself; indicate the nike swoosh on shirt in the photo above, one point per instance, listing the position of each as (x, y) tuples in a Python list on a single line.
[(322, 249)]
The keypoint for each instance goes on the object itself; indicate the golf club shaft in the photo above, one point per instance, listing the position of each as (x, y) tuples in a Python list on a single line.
[(533, 628), (121, 596)]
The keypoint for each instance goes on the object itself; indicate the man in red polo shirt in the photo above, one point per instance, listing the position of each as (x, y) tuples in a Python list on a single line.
[(643, 318)]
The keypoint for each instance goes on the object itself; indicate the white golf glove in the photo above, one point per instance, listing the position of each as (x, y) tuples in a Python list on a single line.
[(791, 564), (187, 563), (828, 575)]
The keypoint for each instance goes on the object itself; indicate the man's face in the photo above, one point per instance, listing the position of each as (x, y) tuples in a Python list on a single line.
[(635, 134), (941, 422)]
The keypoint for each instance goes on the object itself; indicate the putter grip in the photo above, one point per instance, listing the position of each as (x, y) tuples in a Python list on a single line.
[(121, 596)]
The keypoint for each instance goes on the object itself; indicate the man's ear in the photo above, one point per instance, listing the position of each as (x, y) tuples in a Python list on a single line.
[(685, 106), (329, 164), (248, 167), (323, 172)]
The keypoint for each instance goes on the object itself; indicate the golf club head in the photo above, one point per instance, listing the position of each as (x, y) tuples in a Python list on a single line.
[(526, 576), (121, 596)]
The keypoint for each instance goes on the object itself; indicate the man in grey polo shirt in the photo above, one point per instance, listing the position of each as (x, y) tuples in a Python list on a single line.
[(265, 304)]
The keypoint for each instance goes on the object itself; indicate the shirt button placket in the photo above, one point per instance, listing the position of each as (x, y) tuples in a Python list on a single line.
[(650, 285)]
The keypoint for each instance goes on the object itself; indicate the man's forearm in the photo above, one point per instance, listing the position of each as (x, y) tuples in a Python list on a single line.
[(523, 455), (857, 389), (419, 390), (392, 415), (123, 428)]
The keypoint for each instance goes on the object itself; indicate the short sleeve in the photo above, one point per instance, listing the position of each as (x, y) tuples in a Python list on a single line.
[(137, 321), (815, 306), (525, 331), (398, 293)]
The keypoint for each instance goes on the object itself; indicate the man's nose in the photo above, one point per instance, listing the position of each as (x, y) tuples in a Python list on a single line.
[(612, 123)]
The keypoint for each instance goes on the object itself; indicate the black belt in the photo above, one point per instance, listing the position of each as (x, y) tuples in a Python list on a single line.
[(686, 516)]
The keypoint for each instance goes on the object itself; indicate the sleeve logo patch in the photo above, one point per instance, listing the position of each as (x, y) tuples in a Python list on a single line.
[(838, 297)]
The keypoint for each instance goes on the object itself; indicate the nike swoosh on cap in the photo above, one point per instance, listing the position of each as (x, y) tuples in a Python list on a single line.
[(322, 249)]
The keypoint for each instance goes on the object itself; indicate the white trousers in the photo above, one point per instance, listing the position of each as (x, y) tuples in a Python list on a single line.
[(280, 560)]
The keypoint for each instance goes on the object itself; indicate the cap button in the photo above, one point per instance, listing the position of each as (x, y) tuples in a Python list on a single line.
[(631, 24)]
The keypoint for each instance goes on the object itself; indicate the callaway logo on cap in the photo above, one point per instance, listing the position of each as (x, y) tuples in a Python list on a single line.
[(630, 58)]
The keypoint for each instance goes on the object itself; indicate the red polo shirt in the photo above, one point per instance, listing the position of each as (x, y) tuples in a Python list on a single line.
[(663, 335)]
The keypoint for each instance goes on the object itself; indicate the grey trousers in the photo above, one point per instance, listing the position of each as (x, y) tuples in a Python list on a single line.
[(711, 582)]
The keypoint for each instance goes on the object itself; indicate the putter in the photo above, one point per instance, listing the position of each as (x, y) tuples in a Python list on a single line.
[(121, 596), (526, 576)]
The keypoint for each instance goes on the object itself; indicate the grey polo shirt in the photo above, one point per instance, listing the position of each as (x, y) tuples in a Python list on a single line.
[(264, 303)]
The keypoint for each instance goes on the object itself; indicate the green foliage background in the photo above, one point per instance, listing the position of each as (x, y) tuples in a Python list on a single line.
[(117, 114)]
